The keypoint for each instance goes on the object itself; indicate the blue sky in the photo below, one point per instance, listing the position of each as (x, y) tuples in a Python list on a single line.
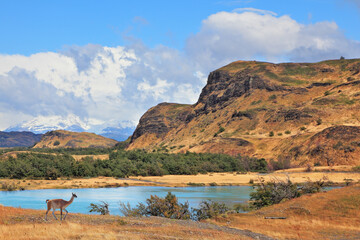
[(35, 26), (101, 64)]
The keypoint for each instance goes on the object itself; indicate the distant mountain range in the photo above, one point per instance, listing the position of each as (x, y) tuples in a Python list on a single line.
[(18, 139), (42, 125), (119, 134)]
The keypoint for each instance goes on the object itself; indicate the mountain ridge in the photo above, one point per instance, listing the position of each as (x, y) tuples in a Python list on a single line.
[(18, 139), (67, 139), (263, 109)]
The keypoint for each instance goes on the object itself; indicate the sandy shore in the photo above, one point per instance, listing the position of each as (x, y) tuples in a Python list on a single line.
[(220, 179)]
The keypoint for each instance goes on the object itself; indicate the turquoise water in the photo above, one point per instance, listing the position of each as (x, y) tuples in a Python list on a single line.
[(35, 199)]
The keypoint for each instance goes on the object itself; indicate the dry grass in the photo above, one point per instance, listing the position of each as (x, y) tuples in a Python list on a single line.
[(329, 215), (100, 157), (221, 179), (18, 223), (244, 179)]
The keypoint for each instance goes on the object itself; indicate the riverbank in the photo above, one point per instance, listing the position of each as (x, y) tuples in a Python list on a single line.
[(333, 214), (336, 175), (16, 223)]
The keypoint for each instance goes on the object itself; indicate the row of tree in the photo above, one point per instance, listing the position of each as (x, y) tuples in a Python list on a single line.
[(125, 163)]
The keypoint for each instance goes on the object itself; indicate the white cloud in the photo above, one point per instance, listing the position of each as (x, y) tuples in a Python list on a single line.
[(102, 86), (255, 10), (156, 91), (98, 86), (257, 34)]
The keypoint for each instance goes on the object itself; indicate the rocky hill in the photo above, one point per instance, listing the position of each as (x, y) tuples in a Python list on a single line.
[(18, 139), (67, 139), (292, 113)]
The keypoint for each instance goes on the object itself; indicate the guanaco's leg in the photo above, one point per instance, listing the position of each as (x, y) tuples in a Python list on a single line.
[(54, 213), (46, 215), (65, 213), (48, 209), (60, 214)]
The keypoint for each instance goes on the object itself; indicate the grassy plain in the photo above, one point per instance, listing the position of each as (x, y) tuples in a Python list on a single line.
[(16, 223)]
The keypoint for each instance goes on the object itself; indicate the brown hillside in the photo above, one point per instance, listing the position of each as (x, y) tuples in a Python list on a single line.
[(67, 139), (327, 215), (276, 111)]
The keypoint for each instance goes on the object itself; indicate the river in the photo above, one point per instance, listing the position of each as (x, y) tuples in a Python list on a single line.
[(35, 199)]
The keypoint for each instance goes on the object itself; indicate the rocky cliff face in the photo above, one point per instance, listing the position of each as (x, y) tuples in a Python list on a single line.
[(263, 110)]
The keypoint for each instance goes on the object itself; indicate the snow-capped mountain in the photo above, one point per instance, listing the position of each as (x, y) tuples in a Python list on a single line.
[(119, 134), (43, 124)]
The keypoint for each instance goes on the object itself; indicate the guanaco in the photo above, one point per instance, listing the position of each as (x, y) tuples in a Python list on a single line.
[(58, 204)]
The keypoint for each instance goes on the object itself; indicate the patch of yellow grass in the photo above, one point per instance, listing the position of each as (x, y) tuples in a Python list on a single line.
[(100, 157), (221, 179), (18, 223), (333, 214)]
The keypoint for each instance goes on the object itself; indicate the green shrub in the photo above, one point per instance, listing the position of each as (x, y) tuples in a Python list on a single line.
[(242, 207), (274, 192), (319, 121), (209, 209), (271, 134), (195, 184), (327, 93), (167, 207), (103, 208), (255, 102), (128, 211), (281, 163), (272, 97), (56, 143), (356, 169), (221, 129), (302, 128), (287, 132), (8, 186)]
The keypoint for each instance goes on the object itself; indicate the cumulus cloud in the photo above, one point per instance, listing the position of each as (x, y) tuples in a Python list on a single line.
[(161, 74), (22, 91), (257, 34), (260, 11), (98, 86), (95, 85)]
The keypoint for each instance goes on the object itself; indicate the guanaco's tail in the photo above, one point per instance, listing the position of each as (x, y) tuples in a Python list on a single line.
[(47, 200)]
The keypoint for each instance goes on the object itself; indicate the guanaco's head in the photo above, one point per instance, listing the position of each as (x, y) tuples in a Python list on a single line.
[(74, 195)]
